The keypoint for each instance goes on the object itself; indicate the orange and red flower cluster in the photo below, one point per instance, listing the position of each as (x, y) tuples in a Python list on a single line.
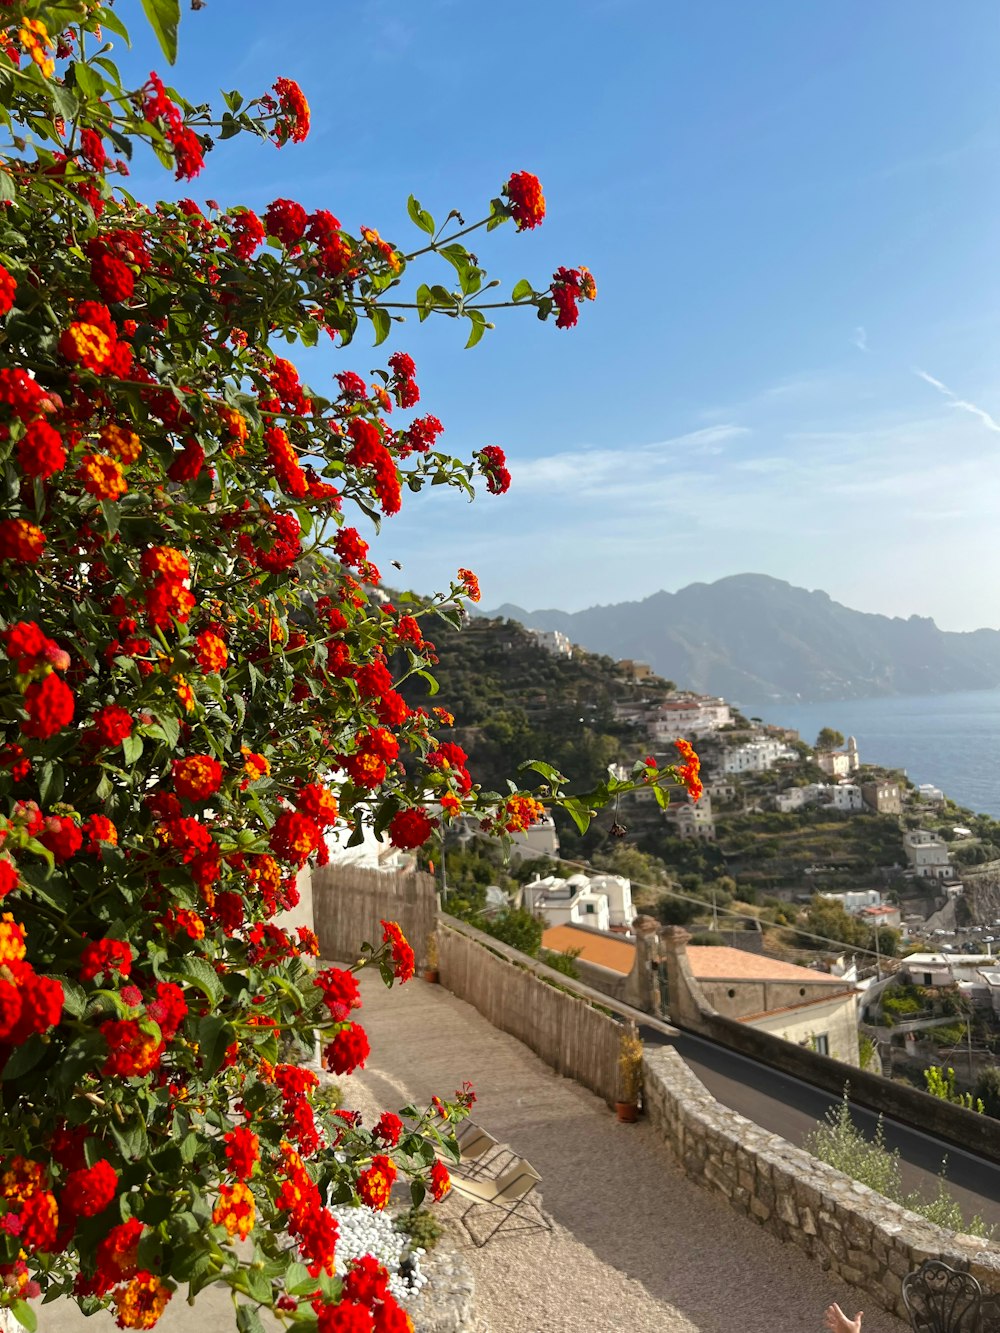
[(689, 771), (526, 201), (313, 1225), (570, 285)]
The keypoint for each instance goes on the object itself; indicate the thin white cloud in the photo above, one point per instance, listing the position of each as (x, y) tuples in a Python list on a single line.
[(860, 338), (584, 471), (963, 405)]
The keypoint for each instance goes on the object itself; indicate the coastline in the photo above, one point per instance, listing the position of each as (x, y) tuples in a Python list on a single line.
[(951, 740)]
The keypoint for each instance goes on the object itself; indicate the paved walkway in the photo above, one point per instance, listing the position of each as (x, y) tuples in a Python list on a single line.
[(637, 1248)]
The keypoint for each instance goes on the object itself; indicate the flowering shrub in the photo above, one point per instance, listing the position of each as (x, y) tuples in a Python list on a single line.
[(195, 687)]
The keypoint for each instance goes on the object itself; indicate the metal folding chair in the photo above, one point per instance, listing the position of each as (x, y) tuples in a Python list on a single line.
[(508, 1193)]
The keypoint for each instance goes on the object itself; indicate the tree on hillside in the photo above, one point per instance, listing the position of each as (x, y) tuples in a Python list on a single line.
[(828, 739), (674, 911), (638, 866)]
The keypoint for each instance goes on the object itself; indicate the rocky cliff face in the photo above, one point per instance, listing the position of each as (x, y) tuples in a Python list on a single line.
[(981, 896), (757, 639)]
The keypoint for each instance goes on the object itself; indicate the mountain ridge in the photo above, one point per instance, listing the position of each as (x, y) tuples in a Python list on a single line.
[(759, 639)]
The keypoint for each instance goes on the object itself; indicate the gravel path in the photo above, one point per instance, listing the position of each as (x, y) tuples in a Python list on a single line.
[(636, 1247)]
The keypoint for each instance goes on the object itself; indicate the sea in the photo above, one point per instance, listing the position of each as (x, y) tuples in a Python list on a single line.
[(950, 740)]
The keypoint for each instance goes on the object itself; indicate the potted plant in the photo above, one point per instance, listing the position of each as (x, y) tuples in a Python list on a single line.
[(431, 972), (629, 1073)]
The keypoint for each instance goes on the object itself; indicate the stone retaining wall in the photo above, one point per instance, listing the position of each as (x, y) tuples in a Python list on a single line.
[(846, 1227)]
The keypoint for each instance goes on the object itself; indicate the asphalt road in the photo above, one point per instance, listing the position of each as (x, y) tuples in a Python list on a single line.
[(791, 1108)]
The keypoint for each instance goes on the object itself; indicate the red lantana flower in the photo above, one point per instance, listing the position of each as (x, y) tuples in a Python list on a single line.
[(49, 705), (40, 451), (440, 1181), (410, 828), (349, 1049), (294, 109), (89, 1190), (8, 290), (402, 953), (112, 725), (527, 203), (197, 777)]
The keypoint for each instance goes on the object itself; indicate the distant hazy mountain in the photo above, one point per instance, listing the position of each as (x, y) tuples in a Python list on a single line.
[(754, 639)]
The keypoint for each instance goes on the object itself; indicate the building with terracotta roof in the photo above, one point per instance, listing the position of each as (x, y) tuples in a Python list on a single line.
[(800, 1004)]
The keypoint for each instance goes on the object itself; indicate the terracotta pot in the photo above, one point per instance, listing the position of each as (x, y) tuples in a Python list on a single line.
[(627, 1112), (432, 975)]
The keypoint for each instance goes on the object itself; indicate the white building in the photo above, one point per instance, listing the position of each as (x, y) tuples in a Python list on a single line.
[(796, 798), (599, 901), (840, 763), (541, 839), (553, 641), (693, 819), (855, 899), (928, 792), (846, 796), (755, 757), (942, 969), (698, 715), (927, 854), (884, 915)]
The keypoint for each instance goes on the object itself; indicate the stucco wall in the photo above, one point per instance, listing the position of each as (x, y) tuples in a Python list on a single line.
[(837, 1020), (758, 997), (602, 978)]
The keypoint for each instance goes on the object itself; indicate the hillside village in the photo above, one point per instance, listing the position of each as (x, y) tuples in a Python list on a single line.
[(800, 862)]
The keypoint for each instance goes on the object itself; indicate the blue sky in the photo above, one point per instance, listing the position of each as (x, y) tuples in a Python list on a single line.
[(791, 211)]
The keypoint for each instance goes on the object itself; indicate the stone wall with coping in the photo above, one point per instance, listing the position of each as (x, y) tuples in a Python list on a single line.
[(845, 1227)]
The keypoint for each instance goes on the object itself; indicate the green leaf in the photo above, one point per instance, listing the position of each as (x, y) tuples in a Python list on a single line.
[(132, 749), (66, 102), (112, 516), (164, 17), (7, 190), (419, 216), (425, 301), (74, 996), (113, 23), (51, 783), (297, 1280), (259, 1286), (202, 974), (522, 290), (24, 1315), (549, 773), (381, 323), (171, 729), (432, 684), (87, 79), (418, 1192), (578, 812), (248, 1320), (478, 321), (133, 1144), (24, 1058), (214, 1035)]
